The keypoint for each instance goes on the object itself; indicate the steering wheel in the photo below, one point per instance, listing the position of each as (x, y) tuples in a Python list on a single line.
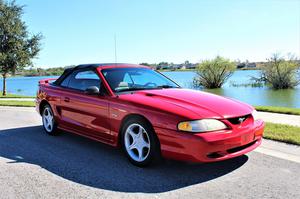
[(148, 84)]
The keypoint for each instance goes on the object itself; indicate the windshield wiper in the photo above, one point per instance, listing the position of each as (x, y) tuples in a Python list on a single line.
[(145, 88), (166, 86), (131, 89)]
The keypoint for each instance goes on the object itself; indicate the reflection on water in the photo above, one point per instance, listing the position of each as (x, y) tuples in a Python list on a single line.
[(283, 97), (217, 91), (251, 95), (261, 96)]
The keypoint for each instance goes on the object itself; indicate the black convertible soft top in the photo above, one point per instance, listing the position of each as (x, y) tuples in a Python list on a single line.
[(68, 71), (64, 75)]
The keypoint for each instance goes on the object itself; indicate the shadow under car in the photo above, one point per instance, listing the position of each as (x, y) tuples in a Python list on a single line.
[(97, 165)]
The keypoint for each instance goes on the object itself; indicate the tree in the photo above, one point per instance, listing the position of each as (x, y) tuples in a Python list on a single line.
[(145, 64), (17, 47), (186, 63), (163, 63), (280, 73), (214, 73)]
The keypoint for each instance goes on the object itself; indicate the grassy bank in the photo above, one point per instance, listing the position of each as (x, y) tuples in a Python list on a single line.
[(283, 133), (8, 95), (17, 103), (277, 109)]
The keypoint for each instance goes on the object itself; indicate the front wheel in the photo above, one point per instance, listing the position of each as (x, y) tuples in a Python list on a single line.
[(140, 142), (49, 123)]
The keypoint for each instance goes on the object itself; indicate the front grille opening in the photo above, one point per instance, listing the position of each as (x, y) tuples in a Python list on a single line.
[(220, 154), (215, 155), (236, 149), (238, 120)]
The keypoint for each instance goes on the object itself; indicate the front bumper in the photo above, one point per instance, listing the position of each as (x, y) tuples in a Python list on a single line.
[(212, 146)]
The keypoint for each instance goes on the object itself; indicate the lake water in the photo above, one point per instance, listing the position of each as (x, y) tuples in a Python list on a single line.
[(251, 95)]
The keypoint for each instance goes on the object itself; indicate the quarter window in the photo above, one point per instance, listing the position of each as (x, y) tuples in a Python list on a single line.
[(66, 81), (82, 80)]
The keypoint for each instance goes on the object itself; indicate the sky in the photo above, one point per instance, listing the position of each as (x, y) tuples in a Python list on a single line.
[(83, 31)]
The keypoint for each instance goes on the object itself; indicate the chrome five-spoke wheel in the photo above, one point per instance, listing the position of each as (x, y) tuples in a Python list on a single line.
[(140, 142), (137, 142), (48, 120)]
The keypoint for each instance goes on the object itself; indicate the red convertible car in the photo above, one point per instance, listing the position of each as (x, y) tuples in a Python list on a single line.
[(147, 114)]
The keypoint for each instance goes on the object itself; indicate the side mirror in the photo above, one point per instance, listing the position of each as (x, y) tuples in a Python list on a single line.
[(92, 90)]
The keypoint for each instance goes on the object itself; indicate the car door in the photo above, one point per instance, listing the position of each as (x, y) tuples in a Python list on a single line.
[(83, 113)]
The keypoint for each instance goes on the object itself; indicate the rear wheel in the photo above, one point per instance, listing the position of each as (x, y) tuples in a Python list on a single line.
[(140, 143), (49, 123)]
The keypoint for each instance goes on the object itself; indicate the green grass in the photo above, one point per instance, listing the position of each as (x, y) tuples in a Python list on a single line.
[(8, 95), (278, 109), (17, 103), (282, 133)]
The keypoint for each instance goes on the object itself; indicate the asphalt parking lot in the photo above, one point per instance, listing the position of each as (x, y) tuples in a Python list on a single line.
[(35, 165)]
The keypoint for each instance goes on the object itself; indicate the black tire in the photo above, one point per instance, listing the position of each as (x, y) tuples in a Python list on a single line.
[(50, 131), (154, 154)]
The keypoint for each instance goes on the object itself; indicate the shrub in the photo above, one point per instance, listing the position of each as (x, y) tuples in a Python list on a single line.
[(213, 73), (280, 73)]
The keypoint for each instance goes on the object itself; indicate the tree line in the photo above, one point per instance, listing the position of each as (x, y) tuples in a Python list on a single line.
[(42, 71)]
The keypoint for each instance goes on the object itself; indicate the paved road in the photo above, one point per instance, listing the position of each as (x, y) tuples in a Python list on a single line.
[(34, 165)]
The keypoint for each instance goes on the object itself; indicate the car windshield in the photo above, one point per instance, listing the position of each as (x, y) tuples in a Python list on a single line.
[(130, 79)]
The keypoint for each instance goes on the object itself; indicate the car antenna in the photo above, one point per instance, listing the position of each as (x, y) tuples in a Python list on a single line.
[(115, 37)]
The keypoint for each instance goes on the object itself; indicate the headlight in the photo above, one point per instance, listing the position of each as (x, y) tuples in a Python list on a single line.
[(201, 125), (255, 115)]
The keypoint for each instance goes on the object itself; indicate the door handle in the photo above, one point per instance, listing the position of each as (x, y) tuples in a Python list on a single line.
[(67, 99)]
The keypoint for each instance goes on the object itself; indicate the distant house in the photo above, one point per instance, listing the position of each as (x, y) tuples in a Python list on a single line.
[(165, 67), (246, 65), (176, 66), (188, 66), (251, 65), (172, 66), (192, 66), (241, 65)]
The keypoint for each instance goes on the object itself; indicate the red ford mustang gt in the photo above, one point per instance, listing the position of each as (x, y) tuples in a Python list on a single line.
[(147, 114)]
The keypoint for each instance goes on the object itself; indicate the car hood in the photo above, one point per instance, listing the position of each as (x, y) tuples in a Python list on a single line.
[(196, 104)]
